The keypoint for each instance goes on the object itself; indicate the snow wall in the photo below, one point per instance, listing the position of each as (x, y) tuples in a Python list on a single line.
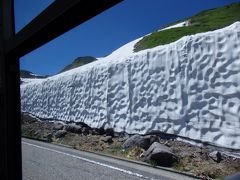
[(189, 88)]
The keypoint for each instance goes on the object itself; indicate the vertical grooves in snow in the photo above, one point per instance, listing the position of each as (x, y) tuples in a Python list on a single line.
[(129, 94), (190, 88)]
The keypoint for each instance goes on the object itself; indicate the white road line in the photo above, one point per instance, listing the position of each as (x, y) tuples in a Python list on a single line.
[(88, 160)]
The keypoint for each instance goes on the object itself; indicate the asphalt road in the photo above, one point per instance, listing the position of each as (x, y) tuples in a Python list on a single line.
[(43, 161)]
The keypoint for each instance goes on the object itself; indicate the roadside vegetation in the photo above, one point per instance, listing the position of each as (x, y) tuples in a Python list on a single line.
[(204, 21), (202, 162)]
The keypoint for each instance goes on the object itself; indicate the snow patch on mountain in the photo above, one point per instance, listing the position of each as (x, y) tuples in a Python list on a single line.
[(128, 49), (181, 24), (123, 52), (190, 88)]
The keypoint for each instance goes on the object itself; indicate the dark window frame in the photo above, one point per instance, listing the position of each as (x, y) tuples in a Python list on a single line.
[(58, 18)]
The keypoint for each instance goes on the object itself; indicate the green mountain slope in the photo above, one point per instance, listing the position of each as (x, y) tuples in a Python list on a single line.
[(80, 61), (202, 22)]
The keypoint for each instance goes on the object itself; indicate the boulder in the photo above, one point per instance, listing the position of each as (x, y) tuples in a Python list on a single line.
[(109, 132), (122, 139), (160, 154), (73, 128), (57, 126), (140, 141), (98, 131), (85, 131), (90, 131), (107, 139), (151, 139), (94, 131), (121, 135), (60, 133), (28, 118), (101, 131), (82, 124), (132, 141), (216, 156)]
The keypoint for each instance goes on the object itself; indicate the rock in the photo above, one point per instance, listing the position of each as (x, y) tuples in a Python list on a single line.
[(216, 156), (28, 118), (95, 131), (151, 139), (101, 131), (85, 131), (122, 139), (98, 131), (122, 136), (141, 141), (60, 133), (160, 154), (132, 141), (109, 132), (57, 126), (107, 139), (90, 132), (73, 128), (82, 124)]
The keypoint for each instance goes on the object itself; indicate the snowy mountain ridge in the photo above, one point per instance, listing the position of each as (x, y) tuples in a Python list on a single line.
[(189, 88)]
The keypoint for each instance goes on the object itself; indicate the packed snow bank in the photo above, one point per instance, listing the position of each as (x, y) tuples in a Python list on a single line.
[(190, 88)]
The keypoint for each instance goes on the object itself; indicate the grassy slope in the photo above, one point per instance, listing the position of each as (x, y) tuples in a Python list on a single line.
[(202, 22), (79, 62)]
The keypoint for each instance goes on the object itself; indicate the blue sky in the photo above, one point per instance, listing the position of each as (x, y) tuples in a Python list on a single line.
[(106, 32)]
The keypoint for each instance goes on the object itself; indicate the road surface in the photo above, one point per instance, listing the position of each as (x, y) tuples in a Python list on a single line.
[(43, 161)]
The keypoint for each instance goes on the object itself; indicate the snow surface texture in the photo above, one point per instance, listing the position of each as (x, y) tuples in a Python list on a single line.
[(190, 88)]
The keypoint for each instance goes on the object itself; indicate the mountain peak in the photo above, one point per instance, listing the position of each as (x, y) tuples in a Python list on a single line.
[(31, 75), (80, 61)]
